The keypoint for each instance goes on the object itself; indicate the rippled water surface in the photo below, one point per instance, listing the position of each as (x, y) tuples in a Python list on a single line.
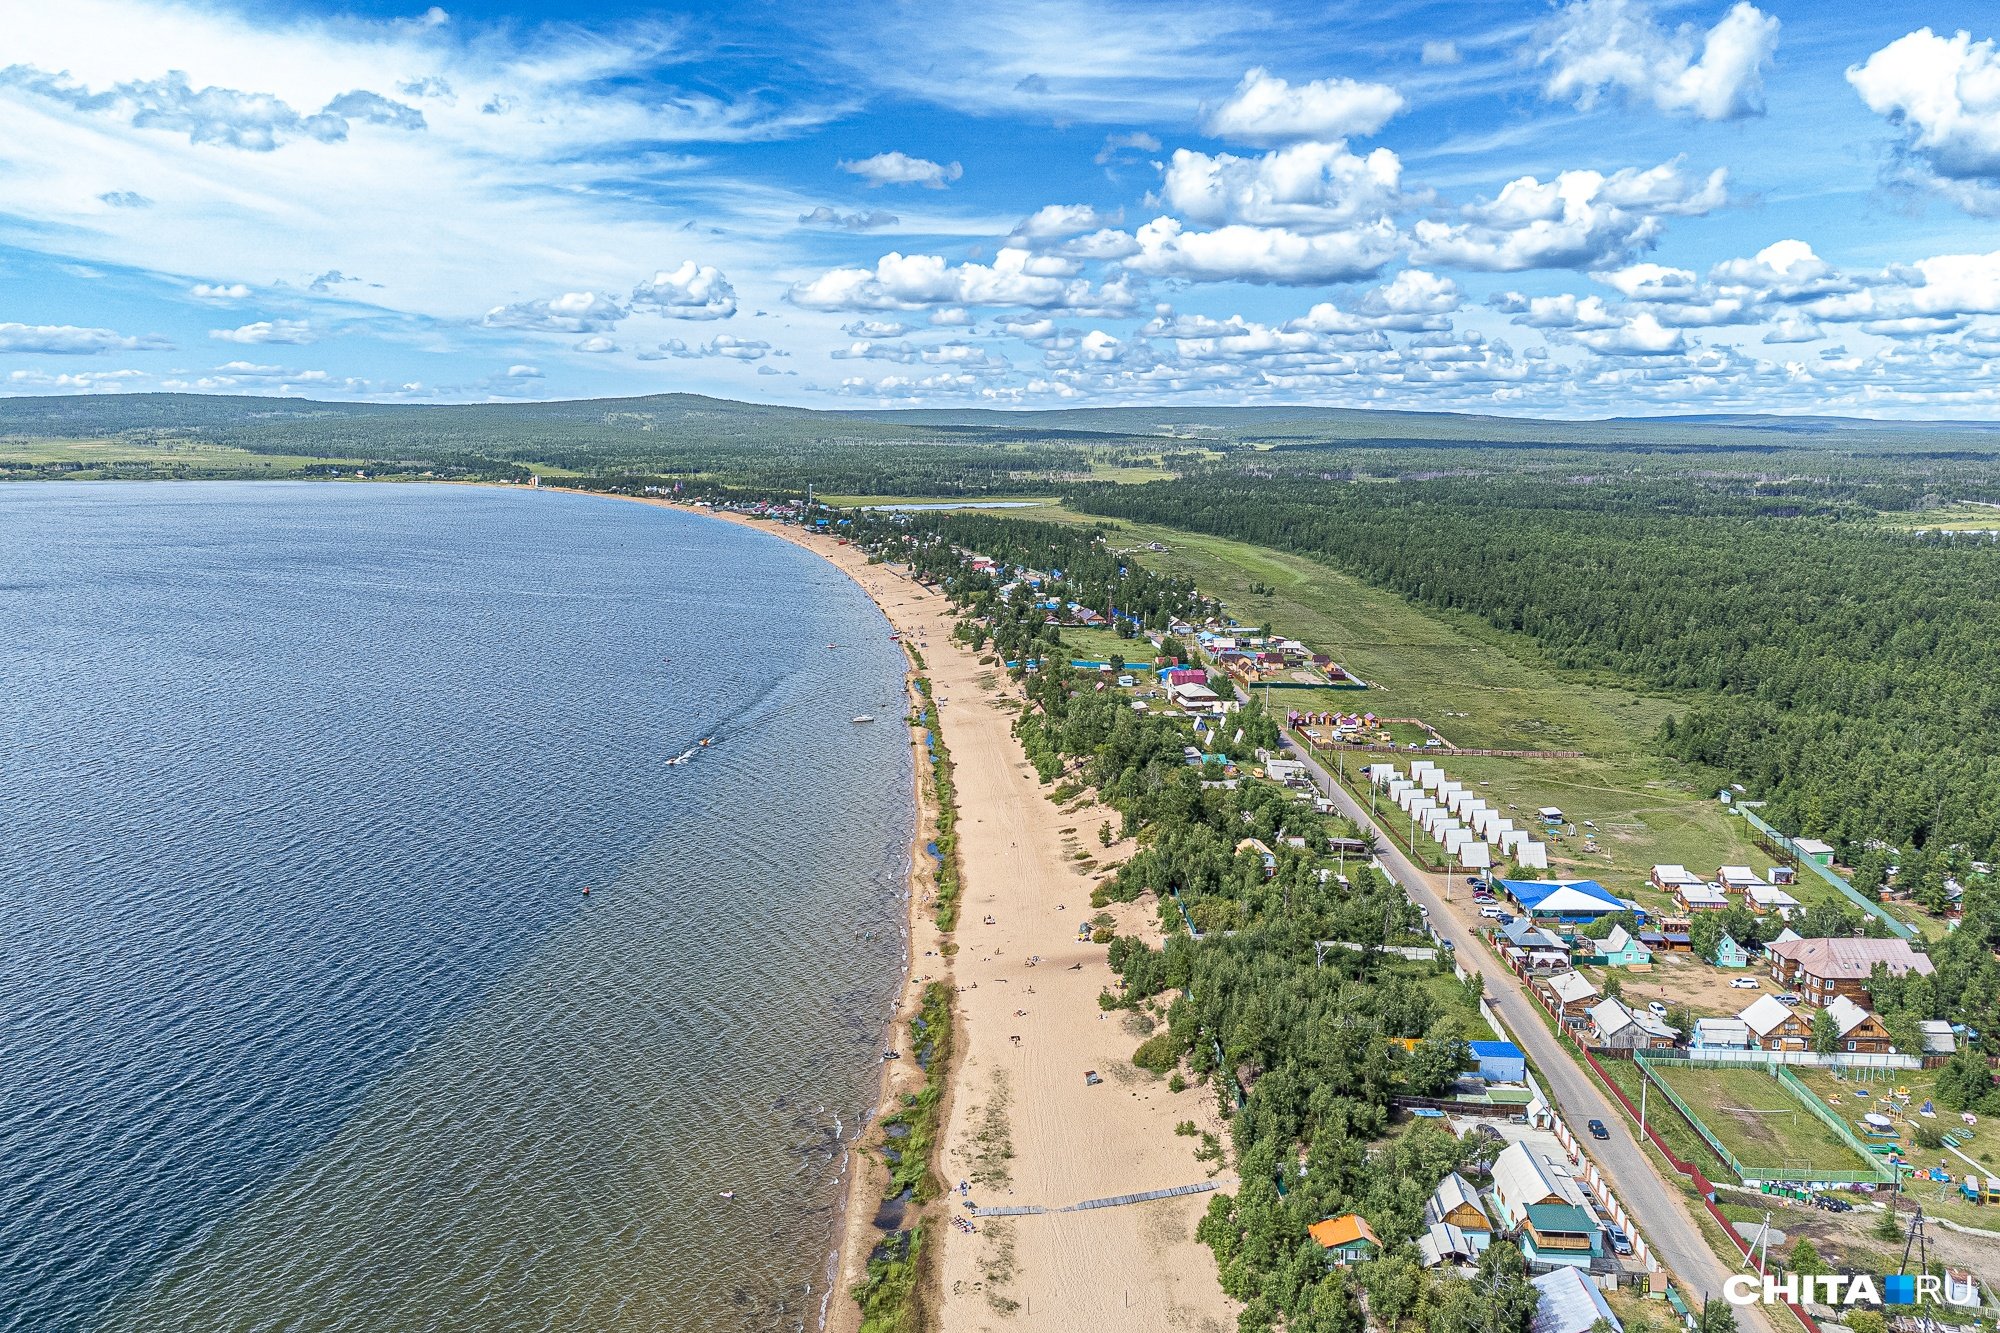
[(305, 1022)]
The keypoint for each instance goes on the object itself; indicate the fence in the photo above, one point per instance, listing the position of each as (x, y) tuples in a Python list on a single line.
[(1812, 1059), (1703, 1187), (1826, 1114), (1848, 891), (1647, 1069)]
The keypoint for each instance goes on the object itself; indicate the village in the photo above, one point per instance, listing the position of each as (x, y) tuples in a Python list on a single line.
[(1706, 987)]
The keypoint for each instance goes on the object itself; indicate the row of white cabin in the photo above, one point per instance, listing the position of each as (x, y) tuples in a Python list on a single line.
[(1457, 819), (1692, 893)]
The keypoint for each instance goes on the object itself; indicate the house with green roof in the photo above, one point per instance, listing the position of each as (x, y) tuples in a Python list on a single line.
[(1559, 1233)]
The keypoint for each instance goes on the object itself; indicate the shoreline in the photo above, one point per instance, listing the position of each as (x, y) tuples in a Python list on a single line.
[(863, 1176), (1018, 1122)]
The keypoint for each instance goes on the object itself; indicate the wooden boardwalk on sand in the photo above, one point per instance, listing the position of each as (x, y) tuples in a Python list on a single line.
[(1115, 1201)]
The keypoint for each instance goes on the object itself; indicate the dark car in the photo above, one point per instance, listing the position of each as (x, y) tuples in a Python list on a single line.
[(1598, 1131)]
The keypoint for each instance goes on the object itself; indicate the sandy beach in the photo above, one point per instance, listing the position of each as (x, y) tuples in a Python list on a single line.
[(1023, 1127)]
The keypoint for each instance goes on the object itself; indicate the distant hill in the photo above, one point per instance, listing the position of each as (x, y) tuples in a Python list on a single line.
[(104, 414)]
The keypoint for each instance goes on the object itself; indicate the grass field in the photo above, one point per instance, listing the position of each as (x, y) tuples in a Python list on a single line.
[(1101, 645), (1759, 1120), (1024, 504), (1640, 820), (101, 457), (1480, 689)]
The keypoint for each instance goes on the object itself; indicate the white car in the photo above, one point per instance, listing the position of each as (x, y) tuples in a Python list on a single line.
[(1657, 1009), (1744, 983), (1492, 912)]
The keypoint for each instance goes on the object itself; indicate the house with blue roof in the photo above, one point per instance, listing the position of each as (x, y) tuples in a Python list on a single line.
[(1500, 1061), (1569, 902)]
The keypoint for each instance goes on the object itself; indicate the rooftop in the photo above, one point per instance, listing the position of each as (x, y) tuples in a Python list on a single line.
[(1850, 959)]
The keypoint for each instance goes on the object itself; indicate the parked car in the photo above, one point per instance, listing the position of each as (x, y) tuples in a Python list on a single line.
[(1656, 1009), (1505, 918), (1620, 1242), (1493, 912), (1788, 998), (1477, 882), (1745, 983), (1598, 1131)]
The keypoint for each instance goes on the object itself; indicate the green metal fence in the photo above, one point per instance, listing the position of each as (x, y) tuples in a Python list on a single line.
[(1829, 1116), (1649, 1066), (1841, 886)]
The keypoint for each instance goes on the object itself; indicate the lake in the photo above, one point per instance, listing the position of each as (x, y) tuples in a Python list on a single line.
[(307, 1019)]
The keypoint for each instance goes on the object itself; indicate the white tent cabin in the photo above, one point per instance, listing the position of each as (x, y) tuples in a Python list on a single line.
[(1475, 856), (1456, 840), (1533, 855)]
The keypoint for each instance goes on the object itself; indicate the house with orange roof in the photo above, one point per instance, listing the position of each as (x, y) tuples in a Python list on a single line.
[(1347, 1239)]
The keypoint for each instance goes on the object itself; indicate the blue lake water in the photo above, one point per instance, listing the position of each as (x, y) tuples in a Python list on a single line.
[(305, 1021)]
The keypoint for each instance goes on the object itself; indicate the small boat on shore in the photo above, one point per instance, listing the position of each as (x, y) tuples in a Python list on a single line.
[(865, 717)]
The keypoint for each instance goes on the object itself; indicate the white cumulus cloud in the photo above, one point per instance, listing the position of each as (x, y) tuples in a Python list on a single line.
[(286, 331), (1265, 255), (1016, 277), (1265, 109), (899, 168), (1308, 186), (692, 291), (69, 340), (572, 312), (1943, 93), (1580, 219), (1718, 74)]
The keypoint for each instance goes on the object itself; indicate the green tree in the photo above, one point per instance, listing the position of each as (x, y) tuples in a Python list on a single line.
[(1434, 1065), (1825, 1033), (1715, 1317), (1806, 1258)]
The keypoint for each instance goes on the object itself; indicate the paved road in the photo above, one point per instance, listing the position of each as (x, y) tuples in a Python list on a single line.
[(1662, 1212)]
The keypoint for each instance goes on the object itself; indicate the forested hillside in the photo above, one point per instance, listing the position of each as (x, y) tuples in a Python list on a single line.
[(1845, 671)]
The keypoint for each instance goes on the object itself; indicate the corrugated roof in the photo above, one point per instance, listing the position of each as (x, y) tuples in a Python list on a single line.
[(1559, 1217), (1570, 1304), (1765, 1015), (1850, 959), (1454, 1191), (1442, 1242), (1521, 1178), (1342, 1230), (1569, 987)]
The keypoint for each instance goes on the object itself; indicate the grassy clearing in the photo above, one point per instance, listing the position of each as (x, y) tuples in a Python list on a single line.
[(1689, 1146), (1642, 819), (1982, 1142), (1003, 502), (170, 457), (1480, 689), (1459, 674), (1759, 1120), (1102, 645)]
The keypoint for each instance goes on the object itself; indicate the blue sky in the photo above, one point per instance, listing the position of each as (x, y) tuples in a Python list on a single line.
[(1568, 209)]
